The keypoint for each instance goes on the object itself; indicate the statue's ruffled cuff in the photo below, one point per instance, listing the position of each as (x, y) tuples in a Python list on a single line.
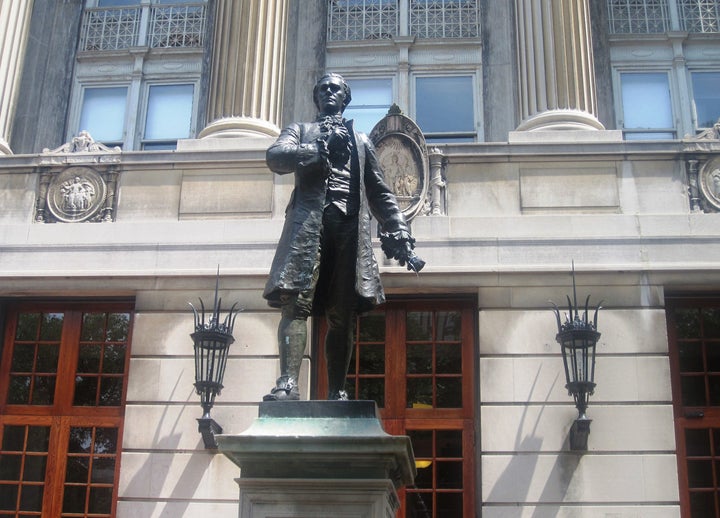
[(397, 245)]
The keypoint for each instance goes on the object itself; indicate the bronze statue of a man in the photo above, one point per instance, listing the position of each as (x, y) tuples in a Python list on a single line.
[(324, 262)]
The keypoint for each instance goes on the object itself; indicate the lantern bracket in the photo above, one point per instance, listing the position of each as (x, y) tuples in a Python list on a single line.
[(208, 428)]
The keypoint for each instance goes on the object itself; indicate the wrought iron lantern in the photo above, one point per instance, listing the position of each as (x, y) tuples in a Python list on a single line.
[(578, 337), (211, 339)]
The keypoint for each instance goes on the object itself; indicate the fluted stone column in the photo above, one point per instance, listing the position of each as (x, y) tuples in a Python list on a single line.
[(556, 74), (248, 68), (14, 24)]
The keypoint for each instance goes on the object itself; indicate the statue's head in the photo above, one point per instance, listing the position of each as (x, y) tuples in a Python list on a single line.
[(331, 94)]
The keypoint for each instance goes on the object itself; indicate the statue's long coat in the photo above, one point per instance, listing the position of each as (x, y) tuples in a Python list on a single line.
[(297, 255)]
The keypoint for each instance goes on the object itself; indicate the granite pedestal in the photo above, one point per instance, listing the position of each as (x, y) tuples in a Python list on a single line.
[(312, 459)]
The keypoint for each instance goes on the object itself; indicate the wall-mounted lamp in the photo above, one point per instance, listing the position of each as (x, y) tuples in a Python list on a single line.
[(211, 341), (578, 337)]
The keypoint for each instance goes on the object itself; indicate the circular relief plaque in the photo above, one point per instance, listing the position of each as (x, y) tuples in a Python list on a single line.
[(402, 162), (710, 182), (76, 194)]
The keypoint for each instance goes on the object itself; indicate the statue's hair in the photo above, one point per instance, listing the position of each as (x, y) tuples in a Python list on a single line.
[(346, 88)]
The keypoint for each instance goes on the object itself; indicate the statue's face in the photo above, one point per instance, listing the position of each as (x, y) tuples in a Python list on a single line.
[(330, 97)]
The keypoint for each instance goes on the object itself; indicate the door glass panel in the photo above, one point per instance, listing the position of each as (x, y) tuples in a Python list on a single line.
[(711, 323), (449, 392), (419, 326), (372, 359), (419, 393), (448, 326), (366, 375), (712, 352), (35, 355), (439, 461), (23, 461), (691, 358), (90, 471), (693, 391), (449, 359), (449, 504), (700, 473), (687, 322), (101, 359), (419, 359), (697, 442)]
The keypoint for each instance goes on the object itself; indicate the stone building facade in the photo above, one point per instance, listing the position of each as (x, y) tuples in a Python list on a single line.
[(553, 132)]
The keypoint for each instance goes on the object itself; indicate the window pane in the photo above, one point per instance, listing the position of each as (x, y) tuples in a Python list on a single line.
[(711, 322), (419, 393), (419, 325), (691, 357), (372, 389), (169, 112), (444, 104), (449, 504), (31, 498), (372, 359), (27, 326), (449, 392), (706, 91), (419, 359), (103, 113), (371, 99), (693, 390), (646, 101), (450, 475)]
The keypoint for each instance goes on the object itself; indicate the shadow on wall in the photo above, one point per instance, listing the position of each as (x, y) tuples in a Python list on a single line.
[(522, 471), (153, 474)]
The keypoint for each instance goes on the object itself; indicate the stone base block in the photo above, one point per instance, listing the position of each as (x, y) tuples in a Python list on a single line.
[(317, 498), (314, 459)]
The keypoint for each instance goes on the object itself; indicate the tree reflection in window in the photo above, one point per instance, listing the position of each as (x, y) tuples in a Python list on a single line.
[(90, 472), (101, 359)]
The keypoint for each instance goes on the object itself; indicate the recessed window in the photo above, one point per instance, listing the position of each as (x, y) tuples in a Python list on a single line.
[(706, 93), (415, 360), (647, 108), (371, 99), (63, 377), (103, 114), (169, 115), (445, 108)]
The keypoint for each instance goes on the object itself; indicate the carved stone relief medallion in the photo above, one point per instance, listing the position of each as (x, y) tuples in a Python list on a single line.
[(710, 183), (402, 155), (76, 194)]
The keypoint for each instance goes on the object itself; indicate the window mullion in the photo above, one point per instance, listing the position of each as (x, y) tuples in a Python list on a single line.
[(674, 15), (395, 362), (54, 472), (65, 384), (134, 107), (142, 40), (404, 18)]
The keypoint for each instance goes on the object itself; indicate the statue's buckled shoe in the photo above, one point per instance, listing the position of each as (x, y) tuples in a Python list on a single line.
[(285, 389), (340, 395)]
